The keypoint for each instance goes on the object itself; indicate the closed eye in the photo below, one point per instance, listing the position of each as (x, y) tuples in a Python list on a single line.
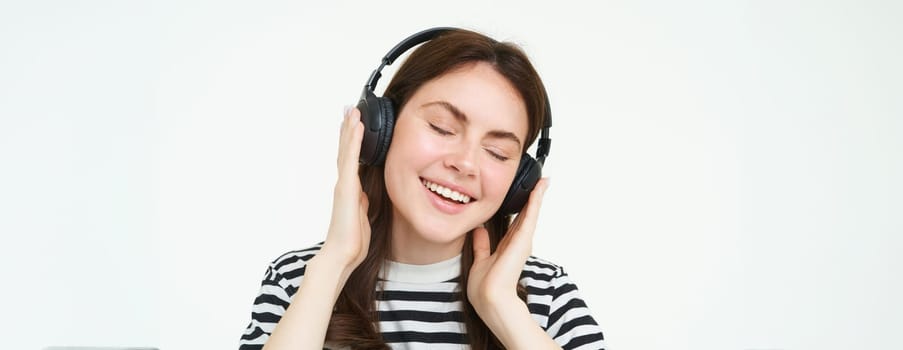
[(439, 130), (496, 155)]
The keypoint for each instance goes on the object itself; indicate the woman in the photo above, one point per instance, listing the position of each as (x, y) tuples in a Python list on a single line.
[(418, 254)]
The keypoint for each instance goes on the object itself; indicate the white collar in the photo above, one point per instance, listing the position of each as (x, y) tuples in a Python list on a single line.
[(431, 273)]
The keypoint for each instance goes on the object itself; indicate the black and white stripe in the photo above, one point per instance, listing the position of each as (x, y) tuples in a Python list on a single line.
[(429, 315)]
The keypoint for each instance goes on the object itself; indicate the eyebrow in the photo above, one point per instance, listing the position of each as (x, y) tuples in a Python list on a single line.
[(461, 117)]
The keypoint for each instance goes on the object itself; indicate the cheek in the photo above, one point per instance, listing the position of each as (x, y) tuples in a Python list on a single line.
[(497, 179), (409, 146)]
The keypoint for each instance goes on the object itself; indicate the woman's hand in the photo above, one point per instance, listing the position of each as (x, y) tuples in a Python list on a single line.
[(304, 324), (493, 277), (348, 237), (492, 284)]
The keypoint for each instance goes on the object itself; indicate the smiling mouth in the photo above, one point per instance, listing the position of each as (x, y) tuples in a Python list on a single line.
[(446, 193)]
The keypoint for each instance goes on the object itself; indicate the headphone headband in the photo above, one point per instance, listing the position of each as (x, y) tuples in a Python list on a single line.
[(545, 143), (405, 45)]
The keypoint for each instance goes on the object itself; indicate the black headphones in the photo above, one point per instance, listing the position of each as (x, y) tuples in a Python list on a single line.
[(378, 117)]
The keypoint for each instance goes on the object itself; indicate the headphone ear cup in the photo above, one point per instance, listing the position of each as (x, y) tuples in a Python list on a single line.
[(378, 117), (385, 135), (529, 171)]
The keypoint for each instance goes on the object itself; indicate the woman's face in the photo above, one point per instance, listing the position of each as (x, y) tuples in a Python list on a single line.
[(455, 150)]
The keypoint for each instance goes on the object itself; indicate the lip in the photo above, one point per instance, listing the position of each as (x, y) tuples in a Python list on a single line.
[(451, 187), (441, 204)]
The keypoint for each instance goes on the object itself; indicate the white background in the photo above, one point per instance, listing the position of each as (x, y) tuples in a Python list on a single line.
[(725, 174)]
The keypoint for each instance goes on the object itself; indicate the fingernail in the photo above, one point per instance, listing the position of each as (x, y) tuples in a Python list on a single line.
[(348, 110)]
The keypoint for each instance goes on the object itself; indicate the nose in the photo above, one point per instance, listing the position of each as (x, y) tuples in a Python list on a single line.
[(463, 159)]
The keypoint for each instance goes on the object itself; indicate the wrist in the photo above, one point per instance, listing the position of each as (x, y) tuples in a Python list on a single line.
[(327, 264), (504, 316), (336, 258), (512, 323)]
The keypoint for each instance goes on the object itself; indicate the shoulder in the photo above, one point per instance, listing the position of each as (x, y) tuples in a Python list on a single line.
[(281, 281), (545, 280), (541, 269), (556, 304), (289, 267), (541, 279), (547, 285), (540, 275)]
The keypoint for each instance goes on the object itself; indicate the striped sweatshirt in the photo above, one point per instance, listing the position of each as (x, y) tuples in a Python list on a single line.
[(420, 307)]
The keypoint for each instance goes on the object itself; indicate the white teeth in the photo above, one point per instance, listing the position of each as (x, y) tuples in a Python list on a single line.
[(447, 192)]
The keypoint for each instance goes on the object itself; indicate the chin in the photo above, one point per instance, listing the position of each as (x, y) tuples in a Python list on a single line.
[(442, 234)]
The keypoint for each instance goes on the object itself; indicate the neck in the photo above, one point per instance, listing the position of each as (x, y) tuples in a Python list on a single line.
[(409, 247)]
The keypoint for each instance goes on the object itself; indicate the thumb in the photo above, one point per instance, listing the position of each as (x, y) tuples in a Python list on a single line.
[(481, 248)]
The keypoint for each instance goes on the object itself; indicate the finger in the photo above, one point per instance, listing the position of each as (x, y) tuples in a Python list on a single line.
[(353, 133), (345, 126), (481, 248), (346, 132), (530, 214), (517, 244), (343, 137)]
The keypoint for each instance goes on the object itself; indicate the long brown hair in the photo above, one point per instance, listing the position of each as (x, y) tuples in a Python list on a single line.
[(354, 319)]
